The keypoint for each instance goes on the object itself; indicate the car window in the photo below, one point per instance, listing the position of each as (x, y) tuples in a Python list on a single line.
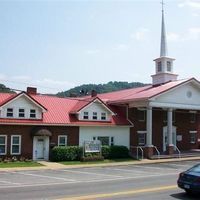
[(195, 169)]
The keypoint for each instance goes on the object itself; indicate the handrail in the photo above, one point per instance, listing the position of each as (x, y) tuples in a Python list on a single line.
[(158, 152), (137, 148), (179, 152)]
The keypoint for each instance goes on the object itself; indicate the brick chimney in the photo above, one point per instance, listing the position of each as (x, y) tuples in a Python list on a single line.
[(31, 90), (93, 93)]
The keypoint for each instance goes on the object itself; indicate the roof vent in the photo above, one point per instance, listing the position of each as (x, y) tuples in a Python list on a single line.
[(31, 90)]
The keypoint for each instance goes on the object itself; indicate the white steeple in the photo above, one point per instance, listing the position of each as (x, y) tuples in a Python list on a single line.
[(163, 43), (164, 64)]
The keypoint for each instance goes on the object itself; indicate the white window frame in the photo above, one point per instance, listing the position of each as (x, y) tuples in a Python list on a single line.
[(10, 112), (193, 113), (11, 146), (95, 115), (169, 66), (21, 112), (142, 133), (194, 137), (85, 115), (159, 66), (103, 114), (59, 144), (5, 136), (111, 139), (142, 110), (32, 113)]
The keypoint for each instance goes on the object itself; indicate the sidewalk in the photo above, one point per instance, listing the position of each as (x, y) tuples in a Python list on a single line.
[(54, 165)]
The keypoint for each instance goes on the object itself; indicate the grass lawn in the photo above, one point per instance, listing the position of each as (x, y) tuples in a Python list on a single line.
[(19, 164), (96, 162)]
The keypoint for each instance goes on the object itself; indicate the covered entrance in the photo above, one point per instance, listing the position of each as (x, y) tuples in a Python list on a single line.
[(41, 144)]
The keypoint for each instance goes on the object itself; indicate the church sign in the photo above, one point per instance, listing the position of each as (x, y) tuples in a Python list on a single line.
[(92, 146)]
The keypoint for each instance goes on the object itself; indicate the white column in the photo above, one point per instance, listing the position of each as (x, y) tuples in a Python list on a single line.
[(149, 127), (169, 126)]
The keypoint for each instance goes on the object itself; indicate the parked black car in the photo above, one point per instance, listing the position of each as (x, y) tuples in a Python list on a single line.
[(190, 180)]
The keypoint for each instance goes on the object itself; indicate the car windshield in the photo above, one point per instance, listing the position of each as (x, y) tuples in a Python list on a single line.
[(195, 169)]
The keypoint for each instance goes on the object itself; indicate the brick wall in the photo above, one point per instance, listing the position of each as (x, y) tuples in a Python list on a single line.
[(27, 139)]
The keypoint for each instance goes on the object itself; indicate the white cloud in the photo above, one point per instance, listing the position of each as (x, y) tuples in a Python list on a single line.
[(190, 3), (140, 34), (194, 33), (173, 37), (121, 47), (45, 85), (92, 51)]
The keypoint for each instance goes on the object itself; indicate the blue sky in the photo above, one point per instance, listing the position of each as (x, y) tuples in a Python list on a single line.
[(56, 45)]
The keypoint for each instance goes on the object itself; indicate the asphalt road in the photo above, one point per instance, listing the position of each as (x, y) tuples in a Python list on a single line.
[(152, 181)]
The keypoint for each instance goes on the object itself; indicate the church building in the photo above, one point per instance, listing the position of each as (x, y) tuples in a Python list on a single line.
[(161, 118)]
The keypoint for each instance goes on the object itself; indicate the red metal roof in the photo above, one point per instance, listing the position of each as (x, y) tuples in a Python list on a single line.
[(58, 112), (141, 93)]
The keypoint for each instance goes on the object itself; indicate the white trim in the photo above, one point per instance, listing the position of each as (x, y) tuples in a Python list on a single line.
[(5, 144), (193, 142), (11, 146), (10, 112), (59, 136), (21, 112), (101, 103), (24, 94)]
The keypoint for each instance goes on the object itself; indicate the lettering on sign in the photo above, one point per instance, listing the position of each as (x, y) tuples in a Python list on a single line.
[(92, 146)]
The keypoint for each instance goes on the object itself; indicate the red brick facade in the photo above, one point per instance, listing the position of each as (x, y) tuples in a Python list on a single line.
[(27, 138), (182, 123)]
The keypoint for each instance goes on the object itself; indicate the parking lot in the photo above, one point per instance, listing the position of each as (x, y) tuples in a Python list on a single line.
[(37, 178)]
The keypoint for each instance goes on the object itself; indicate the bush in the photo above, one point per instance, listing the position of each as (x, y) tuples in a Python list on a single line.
[(66, 153), (115, 152), (119, 152), (105, 150)]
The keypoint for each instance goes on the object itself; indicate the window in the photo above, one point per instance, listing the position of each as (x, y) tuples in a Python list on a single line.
[(159, 66), (62, 140), (141, 114), (141, 138), (32, 113), (193, 135), (192, 117), (3, 144), (94, 116), (169, 66), (21, 112), (9, 112), (103, 116), (16, 144), (85, 115), (111, 141), (104, 140)]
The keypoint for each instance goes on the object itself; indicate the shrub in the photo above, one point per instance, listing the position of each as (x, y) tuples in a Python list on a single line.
[(119, 152), (66, 153), (105, 150), (115, 151)]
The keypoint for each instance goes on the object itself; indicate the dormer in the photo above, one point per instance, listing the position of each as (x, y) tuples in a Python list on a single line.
[(22, 106), (92, 109)]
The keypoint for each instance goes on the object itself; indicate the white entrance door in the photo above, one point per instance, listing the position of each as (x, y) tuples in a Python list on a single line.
[(40, 148), (165, 137)]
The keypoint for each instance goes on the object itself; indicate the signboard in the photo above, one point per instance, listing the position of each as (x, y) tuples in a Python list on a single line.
[(179, 138), (92, 146)]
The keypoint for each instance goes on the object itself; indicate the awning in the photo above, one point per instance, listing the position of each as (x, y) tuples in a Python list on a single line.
[(42, 132)]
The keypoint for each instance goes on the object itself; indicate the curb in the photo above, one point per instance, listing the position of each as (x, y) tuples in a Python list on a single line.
[(54, 166)]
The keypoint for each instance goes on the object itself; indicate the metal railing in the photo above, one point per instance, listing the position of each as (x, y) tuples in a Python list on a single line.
[(137, 151), (158, 152), (179, 152)]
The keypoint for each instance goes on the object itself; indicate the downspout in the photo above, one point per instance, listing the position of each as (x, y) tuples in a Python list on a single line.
[(127, 114)]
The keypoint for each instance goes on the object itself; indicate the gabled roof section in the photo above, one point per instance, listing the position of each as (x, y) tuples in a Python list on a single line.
[(85, 102), (141, 93), (13, 97)]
